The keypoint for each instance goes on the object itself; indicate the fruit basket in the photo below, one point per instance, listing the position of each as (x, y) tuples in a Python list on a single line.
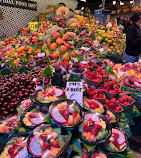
[(95, 129), (33, 116), (111, 95), (67, 113), (48, 95), (91, 82), (117, 142), (47, 140)]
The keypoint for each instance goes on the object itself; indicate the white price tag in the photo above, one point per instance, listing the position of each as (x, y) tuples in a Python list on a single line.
[(41, 54), (74, 90), (101, 50)]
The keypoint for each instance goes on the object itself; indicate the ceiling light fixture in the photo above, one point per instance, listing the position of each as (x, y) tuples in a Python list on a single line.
[(114, 2)]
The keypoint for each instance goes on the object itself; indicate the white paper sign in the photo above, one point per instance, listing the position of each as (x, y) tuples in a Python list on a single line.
[(74, 90), (41, 54), (101, 50)]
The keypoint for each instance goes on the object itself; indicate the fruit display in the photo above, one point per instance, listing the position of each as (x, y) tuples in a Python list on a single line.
[(93, 105), (95, 128), (66, 112), (15, 148), (33, 116), (8, 125), (47, 141), (35, 68), (117, 142), (48, 95)]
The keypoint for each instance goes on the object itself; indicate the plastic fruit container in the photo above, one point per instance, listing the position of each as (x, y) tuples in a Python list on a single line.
[(112, 116), (91, 82), (67, 113), (95, 129), (8, 124), (48, 95), (98, 153), (33, 116), (47, 141), (93, 105), (15, 146), (117, 142)]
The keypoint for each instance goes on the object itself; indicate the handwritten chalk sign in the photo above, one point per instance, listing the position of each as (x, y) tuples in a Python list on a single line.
[(74, 90), (24, 4)]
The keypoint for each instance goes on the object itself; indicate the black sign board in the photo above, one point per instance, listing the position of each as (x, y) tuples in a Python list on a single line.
[(23, 4)]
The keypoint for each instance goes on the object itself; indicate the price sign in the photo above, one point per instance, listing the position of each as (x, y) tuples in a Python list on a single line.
[(41, 54), (74, 90)]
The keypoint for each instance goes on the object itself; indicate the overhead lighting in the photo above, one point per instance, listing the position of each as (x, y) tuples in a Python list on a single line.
[(83, 0), (114, 2), (121, 3), (131, 2), (82, 8)]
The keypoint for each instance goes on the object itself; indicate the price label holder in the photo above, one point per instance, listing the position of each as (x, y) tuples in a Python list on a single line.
[(74, 91)]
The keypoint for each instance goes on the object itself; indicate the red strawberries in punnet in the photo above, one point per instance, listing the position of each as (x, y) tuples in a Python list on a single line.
[(93, 76), (96, 94), (126, 100)]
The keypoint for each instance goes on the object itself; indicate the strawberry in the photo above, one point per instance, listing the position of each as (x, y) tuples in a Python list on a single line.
[(65, 107), (85, 156), (90, 121), (55, 144), (66, 115), (113, 100), (14, 154), (107, 101), (118, 108), (130, 98), (94, 132), (98, 127), (91, 88), (84, 150), (87, 128), (126, 103), (15, 146), (43, 137), (10, 150), (45, 146), (32, 115), (74, 113)]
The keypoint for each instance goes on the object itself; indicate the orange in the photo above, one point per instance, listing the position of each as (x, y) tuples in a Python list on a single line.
[(110, 50), (73, 54), (111, 47), (104, 43), (53, 32), (55, 55), (118, 51), (66, 57), (106, 39), (109, 41), (59, 41), (63, 49), (53, 46)]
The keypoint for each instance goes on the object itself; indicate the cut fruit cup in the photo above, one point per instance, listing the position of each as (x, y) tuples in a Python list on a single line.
[(112, 116), (93, 105), (99, 152), (67, 113), (91, 82), (47, 141), (117, 142), (33, 116), (8, 124), (15, 146), (95, 129), (48, 95), (111, 95)]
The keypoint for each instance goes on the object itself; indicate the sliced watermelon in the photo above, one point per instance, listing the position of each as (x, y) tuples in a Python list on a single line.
[(36, 121), (121, 139), (57, 116), (59, 92), (35, 147)]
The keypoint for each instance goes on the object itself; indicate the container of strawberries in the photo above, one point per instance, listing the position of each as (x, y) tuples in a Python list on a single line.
[(92, 78), (127, 102)]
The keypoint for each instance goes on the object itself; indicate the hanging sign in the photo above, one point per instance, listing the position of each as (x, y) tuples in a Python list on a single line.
[(23, 4), (74, 90)]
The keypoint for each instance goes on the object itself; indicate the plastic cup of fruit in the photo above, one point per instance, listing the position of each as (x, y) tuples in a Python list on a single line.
[(93, 105), (8, 124), (112, 116), (98, 152), (95, 129), (14, 146), (47, 141), (117, 142), (33, 116), (67, 113), (48, 96), (128, 107)]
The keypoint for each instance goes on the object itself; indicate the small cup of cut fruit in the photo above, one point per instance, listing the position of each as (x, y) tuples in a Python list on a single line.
[(48, 95), (67, 113), (95, 129), (47, 141), (33, 116), (126, 102), (112, 116), (117, 142), (93, 105), (8, 124), (15, 147)]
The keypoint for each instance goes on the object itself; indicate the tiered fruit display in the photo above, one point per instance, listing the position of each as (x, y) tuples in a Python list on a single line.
[(126, 100), (93, 76)]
